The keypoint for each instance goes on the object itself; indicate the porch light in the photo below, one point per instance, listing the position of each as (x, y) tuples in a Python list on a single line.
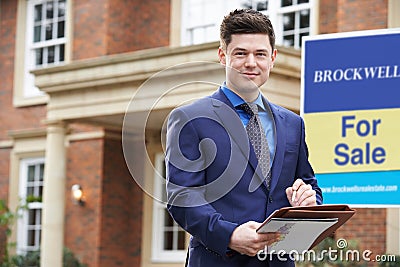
[(77, 194)]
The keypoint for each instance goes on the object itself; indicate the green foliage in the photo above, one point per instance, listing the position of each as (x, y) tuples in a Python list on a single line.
[(32, 258), (32, 198), (29, 259), (6, 217), (69, 259)]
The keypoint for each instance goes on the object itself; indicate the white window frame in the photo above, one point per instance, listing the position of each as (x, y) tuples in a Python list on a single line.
[(23, 227), (29, 89), (210, 21), (275, 13), (159, 254)]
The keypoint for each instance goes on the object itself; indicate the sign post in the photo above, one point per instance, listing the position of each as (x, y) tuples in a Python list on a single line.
[(351, 107)]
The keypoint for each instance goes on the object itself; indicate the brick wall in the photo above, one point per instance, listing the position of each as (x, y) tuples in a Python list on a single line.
[(137, 24), (83, 223), (106, 231), (89, 29), (327, 16), (350, 15), (361, 15), (4, 174), (105, 27), (12, 118), (122, 204), (368, 228)]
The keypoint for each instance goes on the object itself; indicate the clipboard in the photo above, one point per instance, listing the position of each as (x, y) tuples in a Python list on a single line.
[(340, 211)]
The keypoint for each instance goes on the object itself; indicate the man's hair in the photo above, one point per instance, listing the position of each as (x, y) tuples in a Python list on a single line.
[(241, 21)]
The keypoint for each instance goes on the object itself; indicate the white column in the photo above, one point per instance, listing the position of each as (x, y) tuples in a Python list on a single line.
[(392, 231), (52, 242), (393, 14)]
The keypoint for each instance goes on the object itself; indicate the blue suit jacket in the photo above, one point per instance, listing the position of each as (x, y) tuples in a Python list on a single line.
[(214, 184)]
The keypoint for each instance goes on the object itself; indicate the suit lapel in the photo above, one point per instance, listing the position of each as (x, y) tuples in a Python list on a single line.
[(280, 145), (227, 114)]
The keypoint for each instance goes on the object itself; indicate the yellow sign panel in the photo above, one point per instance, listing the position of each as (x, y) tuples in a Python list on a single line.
[(354, 141)]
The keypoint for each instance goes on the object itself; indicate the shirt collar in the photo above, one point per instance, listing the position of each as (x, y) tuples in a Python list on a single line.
[(236, 100)]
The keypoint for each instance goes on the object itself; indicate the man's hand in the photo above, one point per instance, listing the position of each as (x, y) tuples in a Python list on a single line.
[(246, 240), (301, 194)]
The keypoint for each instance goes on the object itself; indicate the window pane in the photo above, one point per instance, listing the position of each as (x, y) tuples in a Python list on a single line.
[(36, 33), (32, 217), (31, 237), (50, 54), (60, 29), (39, 56), (49, 10), (49, 31), (31, 173), (168, 237), (302, 1), (39, 217), (197, 35), (41, 171), (305, 18), (287, 2), (168, 221), (288, 21), (288, 40), (262, 5), (259, 5), (181, 240), (61, 51), (301, 37), (247, 4), (61, 8), (39, 236), (30, 191), (40, 193), (38, 13)]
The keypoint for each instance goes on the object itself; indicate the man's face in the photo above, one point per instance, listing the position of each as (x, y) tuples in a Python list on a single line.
[(248, 60)]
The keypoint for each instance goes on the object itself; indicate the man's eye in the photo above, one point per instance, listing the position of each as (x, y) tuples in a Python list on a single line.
[(262, 54), (240, 53)]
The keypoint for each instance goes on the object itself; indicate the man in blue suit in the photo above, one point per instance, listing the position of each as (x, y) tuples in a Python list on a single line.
[(217, 188)]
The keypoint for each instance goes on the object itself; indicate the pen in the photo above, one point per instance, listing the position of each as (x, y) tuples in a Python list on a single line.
[(294, 195)]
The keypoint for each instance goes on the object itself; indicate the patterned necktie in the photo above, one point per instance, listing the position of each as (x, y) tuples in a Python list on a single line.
[(258, 139)]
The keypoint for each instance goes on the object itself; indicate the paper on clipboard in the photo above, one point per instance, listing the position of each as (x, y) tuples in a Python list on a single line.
[(339, 212), (297, 235)]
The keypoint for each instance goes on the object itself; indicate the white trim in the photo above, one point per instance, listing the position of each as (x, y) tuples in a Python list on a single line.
[(158, 254), (6, 144), (29, 89), (352, 34), (220, 8), (22, 236)]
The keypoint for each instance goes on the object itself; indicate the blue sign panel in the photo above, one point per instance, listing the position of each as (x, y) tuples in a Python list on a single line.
[(351, 106)]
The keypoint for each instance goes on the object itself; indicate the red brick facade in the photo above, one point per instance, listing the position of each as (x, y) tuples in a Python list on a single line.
[(105, 27), (107, 231), (12, 118), (368, 228), (350, 15), (83, 224)]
